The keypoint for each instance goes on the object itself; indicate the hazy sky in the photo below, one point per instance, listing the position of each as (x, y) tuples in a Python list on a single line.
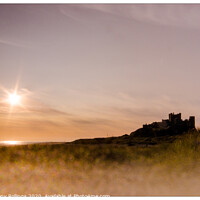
[(94, 70)]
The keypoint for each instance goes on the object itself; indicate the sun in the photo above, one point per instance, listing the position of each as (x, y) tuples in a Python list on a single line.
[(14, 99)]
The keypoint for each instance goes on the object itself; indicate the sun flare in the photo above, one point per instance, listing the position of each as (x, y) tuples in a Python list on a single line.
[(14, 99)]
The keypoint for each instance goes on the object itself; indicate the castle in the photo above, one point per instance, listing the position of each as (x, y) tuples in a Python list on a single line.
[(174, 123)]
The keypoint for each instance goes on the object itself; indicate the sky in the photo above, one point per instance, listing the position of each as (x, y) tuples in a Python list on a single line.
[(96, 70)]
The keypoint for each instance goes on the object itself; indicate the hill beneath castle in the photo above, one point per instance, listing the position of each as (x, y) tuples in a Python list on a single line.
[(165, 131)]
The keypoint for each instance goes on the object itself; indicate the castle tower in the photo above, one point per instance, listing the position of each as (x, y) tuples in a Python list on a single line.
[(192, 122), (174, 118), (170, 117)]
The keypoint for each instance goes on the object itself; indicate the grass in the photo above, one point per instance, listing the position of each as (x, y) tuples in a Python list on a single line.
[(68, 169)]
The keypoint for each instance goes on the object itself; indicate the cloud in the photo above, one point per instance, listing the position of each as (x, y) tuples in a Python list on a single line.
[(37, 108), (90, 121), (45, 109), (179, 15), (11, 43), (29, 105), (127, 107)]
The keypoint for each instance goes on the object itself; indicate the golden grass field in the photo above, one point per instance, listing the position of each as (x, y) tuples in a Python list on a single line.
[(116, 170)]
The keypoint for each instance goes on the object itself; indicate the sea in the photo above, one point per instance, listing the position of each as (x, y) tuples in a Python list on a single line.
[(9, 143)]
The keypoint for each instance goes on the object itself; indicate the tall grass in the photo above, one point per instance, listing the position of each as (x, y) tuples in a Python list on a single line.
[(165, 169)]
